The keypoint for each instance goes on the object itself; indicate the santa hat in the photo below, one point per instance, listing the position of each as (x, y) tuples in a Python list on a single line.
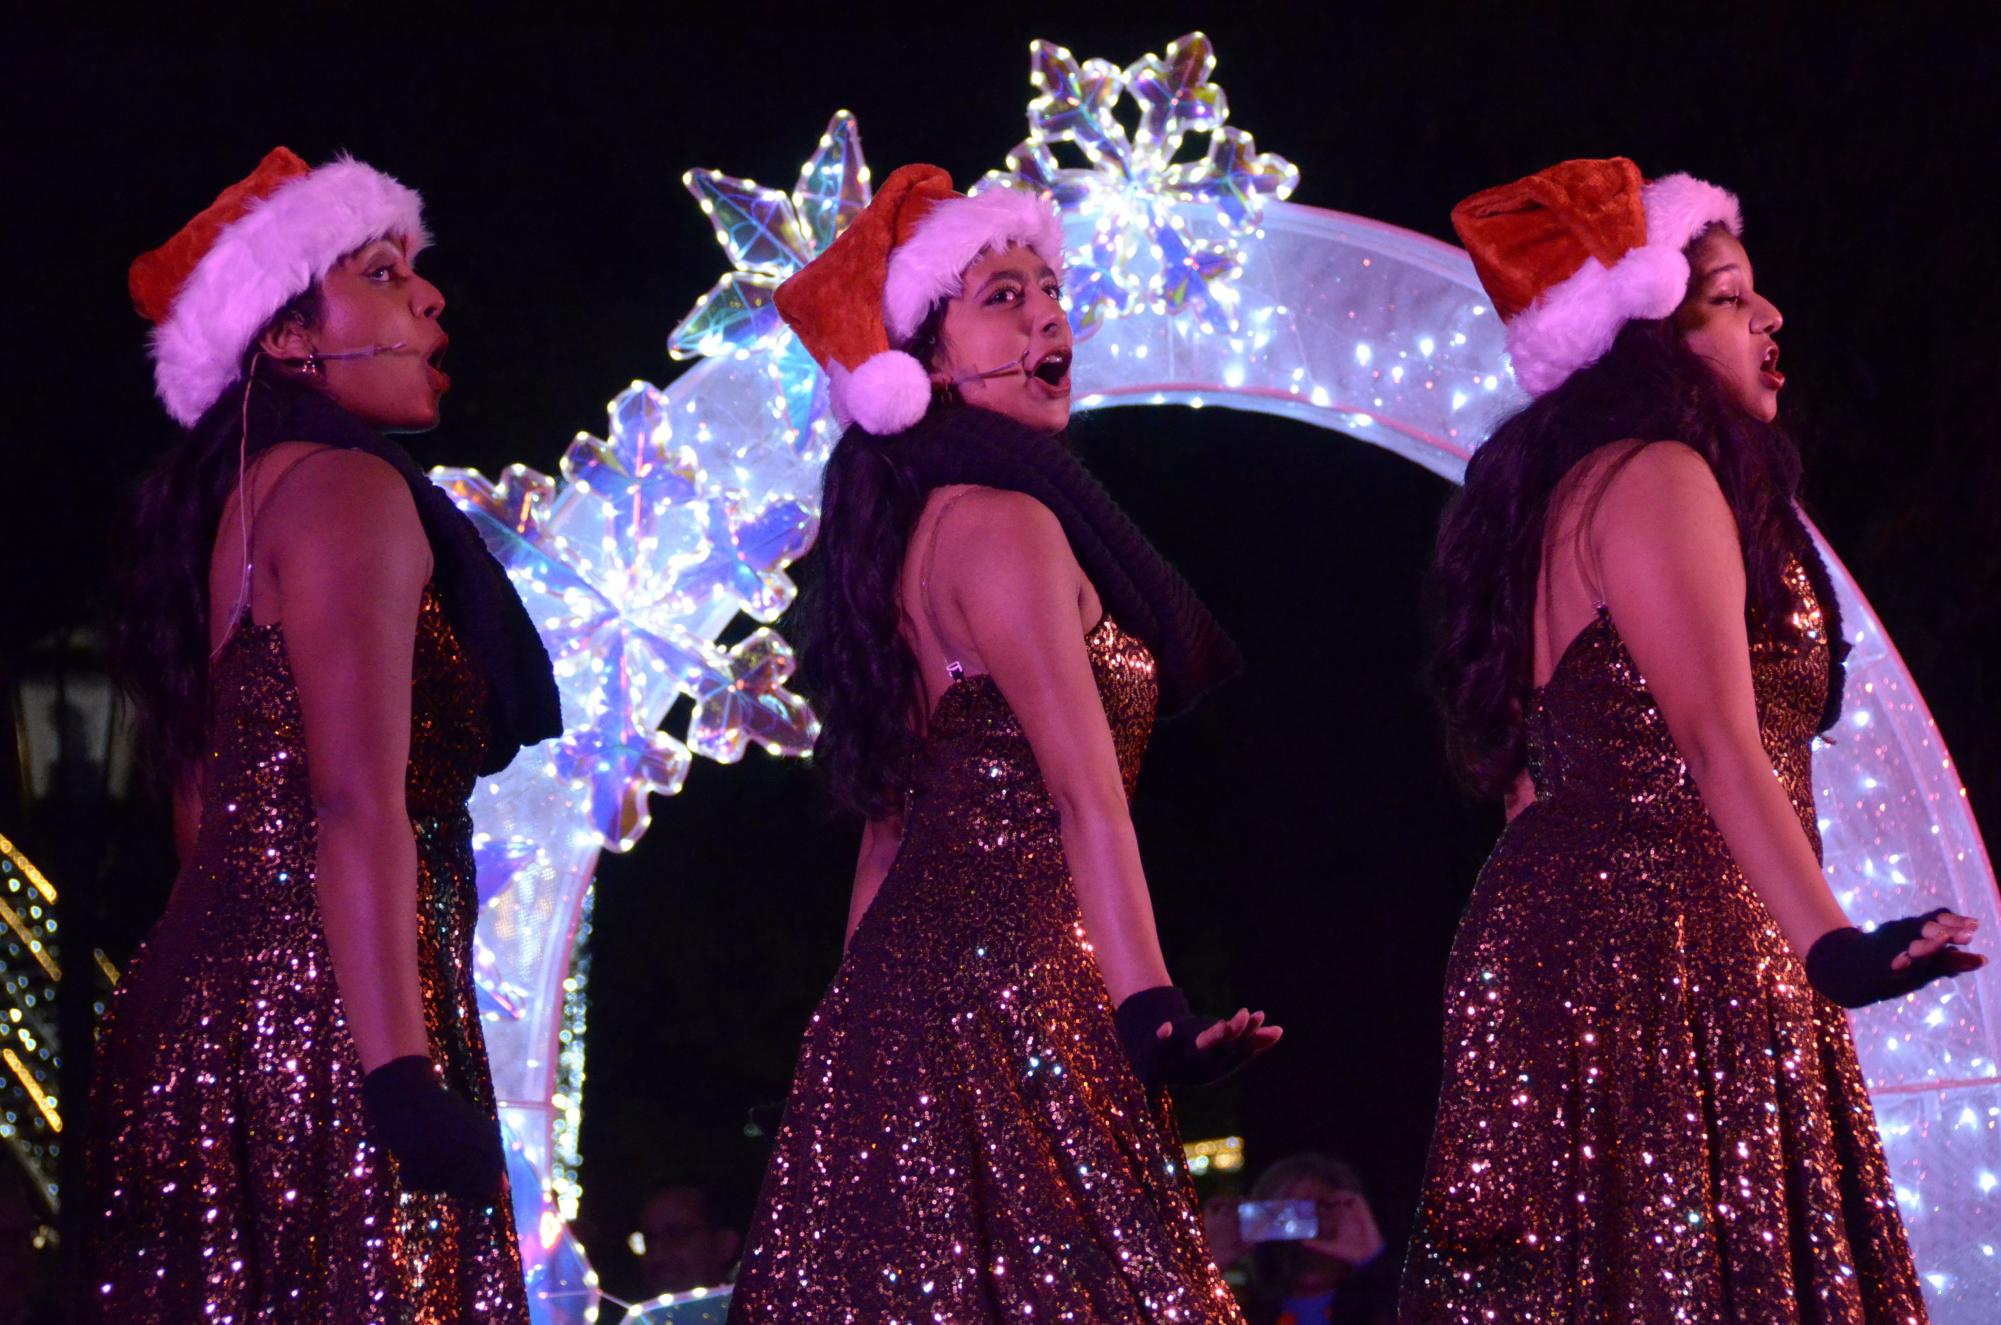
[(1571, 254), (856, 305), (262, 243)]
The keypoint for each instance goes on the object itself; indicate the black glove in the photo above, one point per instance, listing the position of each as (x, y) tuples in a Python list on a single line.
[(1853, 968), (1174, 1061), (440, 1141)]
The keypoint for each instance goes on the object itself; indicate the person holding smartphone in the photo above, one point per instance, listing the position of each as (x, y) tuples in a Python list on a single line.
[(1310, 1242)]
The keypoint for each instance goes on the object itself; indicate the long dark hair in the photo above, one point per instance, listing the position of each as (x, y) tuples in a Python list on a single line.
[(855, 664), (159, 633), (1649, 387)]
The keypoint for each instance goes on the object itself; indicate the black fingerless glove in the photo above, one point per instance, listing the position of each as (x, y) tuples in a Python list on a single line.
[(1853, 968), (440, 1141), (1174, 1061)]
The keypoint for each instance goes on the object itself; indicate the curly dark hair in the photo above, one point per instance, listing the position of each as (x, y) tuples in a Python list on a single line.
[(1649, 387), (159, 633), (854, 663)]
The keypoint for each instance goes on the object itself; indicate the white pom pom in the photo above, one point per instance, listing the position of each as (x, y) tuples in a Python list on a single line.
[(887, 394)]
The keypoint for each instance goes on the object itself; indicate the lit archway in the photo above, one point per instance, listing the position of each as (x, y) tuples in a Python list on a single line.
[(1192, 283)]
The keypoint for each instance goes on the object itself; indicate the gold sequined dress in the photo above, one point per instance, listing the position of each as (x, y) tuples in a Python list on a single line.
[(1647, 1115), (965, 1140), (232, 1179)]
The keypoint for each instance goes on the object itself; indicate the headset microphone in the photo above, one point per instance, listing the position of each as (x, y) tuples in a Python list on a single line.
[(1007, 369), (368, 353)]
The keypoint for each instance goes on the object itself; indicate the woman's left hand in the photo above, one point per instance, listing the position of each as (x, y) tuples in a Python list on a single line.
[(1245, 1034), (1186, 1048)]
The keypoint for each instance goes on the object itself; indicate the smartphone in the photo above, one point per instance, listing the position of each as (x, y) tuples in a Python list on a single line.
[(1278, 1221)]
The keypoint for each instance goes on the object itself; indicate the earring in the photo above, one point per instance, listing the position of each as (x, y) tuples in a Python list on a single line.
[(313, 366)]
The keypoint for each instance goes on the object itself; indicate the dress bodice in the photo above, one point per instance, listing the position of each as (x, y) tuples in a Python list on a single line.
[(1597, 740), (976, 757), (257, 748)]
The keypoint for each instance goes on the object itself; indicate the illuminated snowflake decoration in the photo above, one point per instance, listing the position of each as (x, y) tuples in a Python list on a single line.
[(651, 534), (769, 235), (1165, 234)]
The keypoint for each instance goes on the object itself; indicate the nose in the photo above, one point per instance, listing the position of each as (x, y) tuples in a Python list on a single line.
[(426, 300), (1768, 319), (1049, 315)]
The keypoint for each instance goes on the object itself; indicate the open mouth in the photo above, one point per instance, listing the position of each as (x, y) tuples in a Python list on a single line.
[(1768, 368), (1054, 369), (434, 364)]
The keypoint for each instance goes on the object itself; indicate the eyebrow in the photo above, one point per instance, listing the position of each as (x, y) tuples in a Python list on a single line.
[(1012, 274), (1718, 271)]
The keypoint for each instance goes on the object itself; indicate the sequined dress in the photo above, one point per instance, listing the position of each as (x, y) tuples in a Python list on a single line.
[(232, 1179), (965, 1140), (1647, 1115)]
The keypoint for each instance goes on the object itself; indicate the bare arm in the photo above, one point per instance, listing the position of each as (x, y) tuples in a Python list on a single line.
[(1008, 570), (1672, 574), (880, 840), (351, 561)]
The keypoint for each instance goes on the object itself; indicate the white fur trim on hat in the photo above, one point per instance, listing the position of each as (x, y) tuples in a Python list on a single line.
[(930, 265), (268, 257), (1573, 323), (886, 395)]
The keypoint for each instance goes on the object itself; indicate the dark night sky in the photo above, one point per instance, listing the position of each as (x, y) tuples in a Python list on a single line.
[(1305, 848)]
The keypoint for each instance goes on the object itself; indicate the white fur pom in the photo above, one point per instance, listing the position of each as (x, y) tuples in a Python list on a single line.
[(887, 394), (930, 265)]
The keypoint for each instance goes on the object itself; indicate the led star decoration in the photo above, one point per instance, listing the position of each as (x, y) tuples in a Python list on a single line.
[(1165, 234), (768, 236)]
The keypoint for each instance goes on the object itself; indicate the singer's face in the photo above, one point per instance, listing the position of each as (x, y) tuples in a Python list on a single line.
[(1009, 317), (1729, 324), (374, 301)]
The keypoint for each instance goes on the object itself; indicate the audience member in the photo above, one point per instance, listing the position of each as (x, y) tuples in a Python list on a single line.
[(1342, 1275), (683, 1247)]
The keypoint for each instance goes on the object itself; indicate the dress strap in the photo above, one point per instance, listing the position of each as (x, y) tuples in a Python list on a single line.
[(247, 523), (954, 667)]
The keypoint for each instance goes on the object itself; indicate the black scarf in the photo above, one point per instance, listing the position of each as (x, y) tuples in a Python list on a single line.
[(957, 444), (485, 612), (1838, 646)]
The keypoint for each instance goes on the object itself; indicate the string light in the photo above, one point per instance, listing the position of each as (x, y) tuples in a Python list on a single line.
[(1223, 1154), (31, 1114)]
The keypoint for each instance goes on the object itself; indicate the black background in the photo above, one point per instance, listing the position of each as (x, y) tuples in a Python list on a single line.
[(1306, 851)]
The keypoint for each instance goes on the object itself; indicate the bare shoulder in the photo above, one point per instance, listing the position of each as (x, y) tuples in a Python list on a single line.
[(1644, 484), (999, 511), (351, 486), (1655, 470), (993, 530), (343, 505)]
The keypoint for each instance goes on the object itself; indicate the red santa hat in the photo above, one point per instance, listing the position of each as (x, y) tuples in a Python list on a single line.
[(1571, 254), (856, 305), (262, 243)]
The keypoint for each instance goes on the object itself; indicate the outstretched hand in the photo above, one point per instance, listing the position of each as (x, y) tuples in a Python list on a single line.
[(1942, 932), (1170, 1044), (1246, 1032), (1856, 968)]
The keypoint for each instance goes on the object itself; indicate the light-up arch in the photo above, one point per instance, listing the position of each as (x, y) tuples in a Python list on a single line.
[(1191, 284)]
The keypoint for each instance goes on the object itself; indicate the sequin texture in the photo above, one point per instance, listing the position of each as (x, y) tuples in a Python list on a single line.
[(965, 1141), (1647, 1115), (232, 1180)]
